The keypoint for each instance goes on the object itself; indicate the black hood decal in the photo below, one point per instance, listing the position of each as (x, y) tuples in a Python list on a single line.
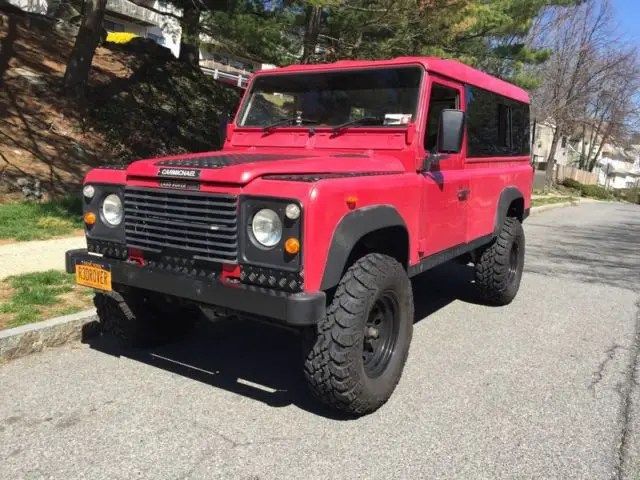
[(316, 177), (228, 160)]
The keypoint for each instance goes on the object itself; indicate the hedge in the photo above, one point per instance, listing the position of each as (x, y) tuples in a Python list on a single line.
[(595, 191)]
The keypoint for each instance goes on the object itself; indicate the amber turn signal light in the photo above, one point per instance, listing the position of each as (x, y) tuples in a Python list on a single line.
[(352, 202), (292, 246), (89, 218)]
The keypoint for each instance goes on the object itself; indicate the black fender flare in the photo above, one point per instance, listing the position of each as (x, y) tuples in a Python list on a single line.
[(507, 196), (351, 228)]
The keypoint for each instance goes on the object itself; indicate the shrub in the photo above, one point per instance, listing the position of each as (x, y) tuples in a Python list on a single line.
[(120, 37), (595, 191), (570, 183), (165, 107), (629, 194)]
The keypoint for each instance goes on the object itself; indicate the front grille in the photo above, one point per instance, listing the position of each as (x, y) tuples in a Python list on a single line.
[(201, 225)]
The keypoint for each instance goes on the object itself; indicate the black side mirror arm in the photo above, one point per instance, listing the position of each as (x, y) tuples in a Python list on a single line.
[(432, 158)]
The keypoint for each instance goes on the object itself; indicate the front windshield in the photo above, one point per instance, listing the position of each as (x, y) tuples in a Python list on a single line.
[(383, 97)]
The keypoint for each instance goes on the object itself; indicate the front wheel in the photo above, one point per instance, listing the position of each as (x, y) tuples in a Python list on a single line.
[(499, 266), (140, 319), (361, 346)]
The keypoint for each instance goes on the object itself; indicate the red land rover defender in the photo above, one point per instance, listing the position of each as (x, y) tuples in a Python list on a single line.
[(336, 184)]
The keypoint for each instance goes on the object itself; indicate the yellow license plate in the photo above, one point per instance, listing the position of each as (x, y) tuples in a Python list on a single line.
[(94, 275)]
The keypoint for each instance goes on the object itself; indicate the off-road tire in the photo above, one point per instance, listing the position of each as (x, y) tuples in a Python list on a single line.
[(497, 283), (135, 322), (334, 364)]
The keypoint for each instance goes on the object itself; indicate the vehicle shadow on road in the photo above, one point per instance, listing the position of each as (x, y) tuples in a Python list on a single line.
[(261, 362)]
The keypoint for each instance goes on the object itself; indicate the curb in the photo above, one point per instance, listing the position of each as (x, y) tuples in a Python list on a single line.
[(552, 206), (35, 337)]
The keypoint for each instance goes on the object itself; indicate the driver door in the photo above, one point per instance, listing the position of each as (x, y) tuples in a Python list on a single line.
[(445, 186)]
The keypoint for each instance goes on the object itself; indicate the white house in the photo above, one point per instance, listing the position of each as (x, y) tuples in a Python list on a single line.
[(619, 167), (542, 145)]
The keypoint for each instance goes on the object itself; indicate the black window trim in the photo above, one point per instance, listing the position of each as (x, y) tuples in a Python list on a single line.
[(421, 88), (451, 84)]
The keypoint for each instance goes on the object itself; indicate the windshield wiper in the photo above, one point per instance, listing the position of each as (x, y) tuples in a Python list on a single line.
[(286, 121), (353, 123)]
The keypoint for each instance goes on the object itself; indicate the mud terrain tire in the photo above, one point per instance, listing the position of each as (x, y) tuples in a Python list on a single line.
[(347, 366), (499, 266)]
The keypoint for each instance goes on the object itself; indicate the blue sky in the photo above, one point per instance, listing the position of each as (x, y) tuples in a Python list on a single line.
[(628, 14)]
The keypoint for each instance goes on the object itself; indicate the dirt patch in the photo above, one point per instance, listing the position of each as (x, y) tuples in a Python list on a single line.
[(141, 103), (5, 294), (41, 134)]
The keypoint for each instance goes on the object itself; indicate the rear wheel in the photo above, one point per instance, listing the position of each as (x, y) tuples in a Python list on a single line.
[(361, 346), (139, 318), (498, 269)]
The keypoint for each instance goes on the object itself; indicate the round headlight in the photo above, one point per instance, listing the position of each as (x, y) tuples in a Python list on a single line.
[(89, 191), (267, 227), (112, 210), (292, 211)]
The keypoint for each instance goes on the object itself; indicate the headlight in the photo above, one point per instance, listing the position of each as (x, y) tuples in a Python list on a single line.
[(112, 210), (267, 227)]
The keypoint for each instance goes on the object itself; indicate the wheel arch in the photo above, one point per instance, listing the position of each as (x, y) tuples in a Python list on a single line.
[(510, 204), (376, 228)]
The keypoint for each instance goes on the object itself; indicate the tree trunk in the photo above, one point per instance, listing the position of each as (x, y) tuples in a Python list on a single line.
[(583, 153), (76, 75), (311, 32), (190, 38), (552, 158)]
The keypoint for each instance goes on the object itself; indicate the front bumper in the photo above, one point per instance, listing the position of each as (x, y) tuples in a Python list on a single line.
[(295, 309)]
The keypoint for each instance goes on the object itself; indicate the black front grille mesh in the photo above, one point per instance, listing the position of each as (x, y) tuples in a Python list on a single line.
[(202, 225)]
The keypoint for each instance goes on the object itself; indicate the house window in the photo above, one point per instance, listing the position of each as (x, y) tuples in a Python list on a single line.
[(110, 26), (496, 126), (564, 142)]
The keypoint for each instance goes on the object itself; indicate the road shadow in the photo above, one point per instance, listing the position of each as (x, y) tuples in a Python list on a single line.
[(262, 362), (600, 253)]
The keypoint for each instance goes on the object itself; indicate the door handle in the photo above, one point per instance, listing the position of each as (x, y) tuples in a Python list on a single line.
[(463, 194)]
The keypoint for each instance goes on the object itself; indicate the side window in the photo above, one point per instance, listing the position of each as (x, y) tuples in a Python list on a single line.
[(441, 98), (496, 125)]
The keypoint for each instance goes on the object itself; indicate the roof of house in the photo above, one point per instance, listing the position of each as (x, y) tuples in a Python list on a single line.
[(446, 68)]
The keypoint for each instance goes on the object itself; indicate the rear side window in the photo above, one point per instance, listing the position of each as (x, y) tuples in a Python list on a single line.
[(496, 126)]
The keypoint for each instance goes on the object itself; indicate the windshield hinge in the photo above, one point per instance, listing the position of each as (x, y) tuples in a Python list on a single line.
[(410, 133)]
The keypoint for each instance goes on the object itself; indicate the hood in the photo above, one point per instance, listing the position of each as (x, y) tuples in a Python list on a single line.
[(241, 168)]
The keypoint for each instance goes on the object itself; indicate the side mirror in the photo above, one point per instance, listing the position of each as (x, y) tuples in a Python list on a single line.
[(225, 118), (451, 131)]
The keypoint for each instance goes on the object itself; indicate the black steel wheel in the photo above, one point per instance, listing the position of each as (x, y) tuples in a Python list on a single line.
[(380, 334), (359, 350)]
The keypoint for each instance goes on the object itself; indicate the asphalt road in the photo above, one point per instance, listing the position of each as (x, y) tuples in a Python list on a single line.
[(543, 388)]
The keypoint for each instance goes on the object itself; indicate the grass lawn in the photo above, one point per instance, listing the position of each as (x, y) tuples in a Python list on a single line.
[(536, 202), (37, 221), (33, 297)]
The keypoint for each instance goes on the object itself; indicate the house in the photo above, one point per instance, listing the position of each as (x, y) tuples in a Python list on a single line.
[(216, 59), (619, 167), (569, 149), (542, 141)]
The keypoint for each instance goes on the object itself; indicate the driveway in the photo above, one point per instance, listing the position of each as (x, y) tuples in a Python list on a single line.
[(542, 388), (36, 256)]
